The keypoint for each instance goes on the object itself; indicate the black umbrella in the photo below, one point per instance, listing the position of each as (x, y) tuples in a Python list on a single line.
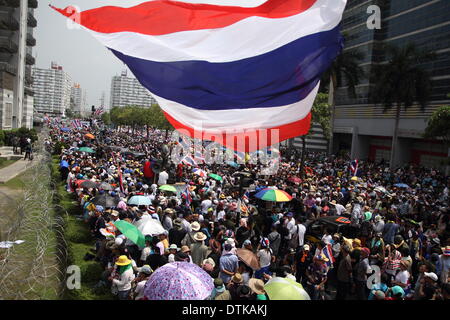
[(105, 201), (88, 184), (105, 186)]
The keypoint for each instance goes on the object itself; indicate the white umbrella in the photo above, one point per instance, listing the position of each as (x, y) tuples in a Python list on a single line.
[(149, 226)]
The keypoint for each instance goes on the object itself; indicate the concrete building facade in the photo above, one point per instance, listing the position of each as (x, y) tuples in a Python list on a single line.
[(126, 91), (17, 22), (52, 89)]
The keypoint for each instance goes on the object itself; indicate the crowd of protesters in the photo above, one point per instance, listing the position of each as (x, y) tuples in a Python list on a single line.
[(400, 247)]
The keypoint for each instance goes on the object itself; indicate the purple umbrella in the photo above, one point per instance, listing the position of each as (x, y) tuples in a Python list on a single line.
[(179, 281)]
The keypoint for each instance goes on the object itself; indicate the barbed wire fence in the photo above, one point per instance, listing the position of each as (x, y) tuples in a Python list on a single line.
[(36, 268)]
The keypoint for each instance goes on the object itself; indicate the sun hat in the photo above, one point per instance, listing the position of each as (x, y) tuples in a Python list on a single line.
[(195, 226), (123, 261), (219, 286), (174, 247), (247, 242), (177, 222), (396, 290), (146, 269), (306, 247), (378, 218), (405, 263), (209, 261), (257, 285), (237, 278), (200, 236), (356, 242), (185, 249), (431, 275)]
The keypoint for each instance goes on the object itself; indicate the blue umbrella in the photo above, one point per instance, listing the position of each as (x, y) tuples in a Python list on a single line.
[(140, 201), (65, 129), (401, 185), (233, 164), (64, 164)]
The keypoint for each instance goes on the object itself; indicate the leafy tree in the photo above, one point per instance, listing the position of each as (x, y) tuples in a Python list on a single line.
[(438, 125), (344, 68), (401, 81), (321, 114), (106, 118)]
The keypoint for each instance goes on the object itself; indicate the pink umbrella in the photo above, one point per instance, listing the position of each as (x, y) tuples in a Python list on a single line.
[(179, 281)]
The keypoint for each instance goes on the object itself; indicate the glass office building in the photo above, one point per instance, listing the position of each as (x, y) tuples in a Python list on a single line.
[(361, 126)]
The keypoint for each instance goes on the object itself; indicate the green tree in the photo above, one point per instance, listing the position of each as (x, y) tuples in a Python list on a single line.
[(400, 82), (106, 118), (159, 120), (321, 114), (438, 125), (345, 68)]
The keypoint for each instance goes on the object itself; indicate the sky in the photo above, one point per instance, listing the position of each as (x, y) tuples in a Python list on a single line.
[(87, 61)]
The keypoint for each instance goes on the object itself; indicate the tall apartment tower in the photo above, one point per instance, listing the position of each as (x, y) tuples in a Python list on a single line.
[(52, 90), (16, 42), (77, 98), (127, 91)]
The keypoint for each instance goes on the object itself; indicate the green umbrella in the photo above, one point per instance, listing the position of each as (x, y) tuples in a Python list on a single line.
[(86, 149), (168, 187), (285, 289), (215, 176), (131, 232)]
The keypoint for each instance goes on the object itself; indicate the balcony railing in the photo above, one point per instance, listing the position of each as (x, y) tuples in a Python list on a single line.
[(29, 59), (7, 45), (31, 21), (31, 41), (28, 91), (32, 4), (9, 23), (6, 67)]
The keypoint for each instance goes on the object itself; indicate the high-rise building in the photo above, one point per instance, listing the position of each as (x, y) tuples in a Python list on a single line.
[(16, 42), (362, 126), (77, 98), (52, 90), (127, 91)]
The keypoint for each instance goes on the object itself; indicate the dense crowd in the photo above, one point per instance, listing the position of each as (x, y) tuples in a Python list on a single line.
[(392, 243)]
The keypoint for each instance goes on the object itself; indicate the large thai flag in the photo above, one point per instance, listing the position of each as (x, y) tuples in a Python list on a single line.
[(230, 74)]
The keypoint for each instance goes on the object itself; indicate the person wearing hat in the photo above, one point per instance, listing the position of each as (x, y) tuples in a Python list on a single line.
[(395, 293), (362, 271), (147, 250), (144, 274), (228, 264), (220, 292), (236, 281), (189, 237), (377, 249), (208, 265), (173, 249), (257, 287), (199, 251), (177, 233), (122, 277), (303, 259), (428, 286), (316, 275), (265, 256), (402, 278)]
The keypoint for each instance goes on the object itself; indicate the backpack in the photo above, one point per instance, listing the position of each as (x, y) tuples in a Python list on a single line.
[(293, 243)]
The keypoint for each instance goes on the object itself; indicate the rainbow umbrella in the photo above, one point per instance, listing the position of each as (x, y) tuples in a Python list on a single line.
[(275, 195)]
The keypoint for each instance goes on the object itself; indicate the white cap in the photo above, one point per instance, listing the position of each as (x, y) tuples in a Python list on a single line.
[(431, 275)]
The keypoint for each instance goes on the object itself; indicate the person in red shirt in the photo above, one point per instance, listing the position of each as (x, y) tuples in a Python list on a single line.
[(148, 172)]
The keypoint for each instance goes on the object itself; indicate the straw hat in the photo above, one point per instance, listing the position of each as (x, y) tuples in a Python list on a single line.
[(257, 285), (123, 261), (195, 226), (237, 278), (185, 249), (200, 236)]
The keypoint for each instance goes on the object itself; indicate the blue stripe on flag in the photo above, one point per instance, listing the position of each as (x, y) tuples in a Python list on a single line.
[(277, 78)]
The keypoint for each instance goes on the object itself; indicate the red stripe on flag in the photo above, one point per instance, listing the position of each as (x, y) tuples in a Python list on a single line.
[(163, 17), (287, 131)]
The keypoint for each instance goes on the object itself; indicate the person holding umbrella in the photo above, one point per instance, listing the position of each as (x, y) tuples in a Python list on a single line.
[(122, 277)]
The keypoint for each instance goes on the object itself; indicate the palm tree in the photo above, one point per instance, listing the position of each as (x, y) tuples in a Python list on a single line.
[(401, 81), (345, 66)]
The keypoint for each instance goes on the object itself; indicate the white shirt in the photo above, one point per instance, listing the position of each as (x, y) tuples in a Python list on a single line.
[(139, 291), (402, 276), (264, 257), (206, 204), (163, 177), (301, 234), (339, 209), (145, 253), (291, 227)]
